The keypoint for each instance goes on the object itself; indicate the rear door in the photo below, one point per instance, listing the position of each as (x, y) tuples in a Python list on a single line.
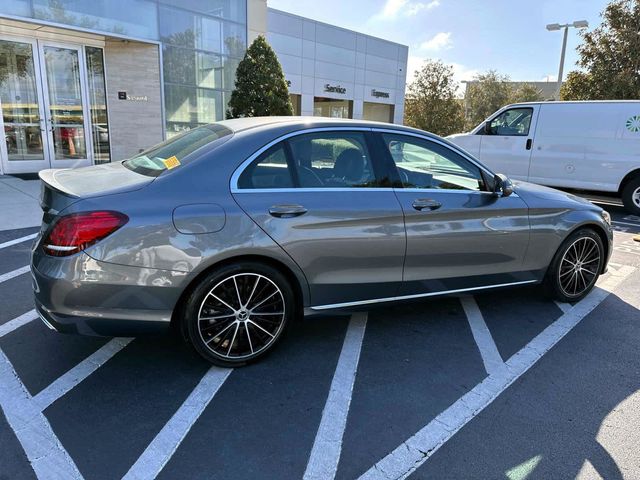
[(320, 195), (459, 235), (507, 147)]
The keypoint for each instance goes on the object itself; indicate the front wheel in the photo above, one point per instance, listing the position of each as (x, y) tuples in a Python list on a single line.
[(238, 313), (575, 267), (631, 196)]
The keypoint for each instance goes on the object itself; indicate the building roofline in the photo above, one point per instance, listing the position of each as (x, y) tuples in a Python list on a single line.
[(338, 27)]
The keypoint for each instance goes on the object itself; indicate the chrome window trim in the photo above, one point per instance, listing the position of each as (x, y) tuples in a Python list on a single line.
[(418, 295), (233, 183)]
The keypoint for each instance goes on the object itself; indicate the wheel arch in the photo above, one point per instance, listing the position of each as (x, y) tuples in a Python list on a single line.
[(633, 174), (295, 282), (600, 231)]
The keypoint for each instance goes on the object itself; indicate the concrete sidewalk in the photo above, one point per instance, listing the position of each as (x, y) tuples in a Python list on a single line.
[(20, 200)]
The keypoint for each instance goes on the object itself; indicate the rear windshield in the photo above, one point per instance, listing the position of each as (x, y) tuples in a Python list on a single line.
[(170, 154)]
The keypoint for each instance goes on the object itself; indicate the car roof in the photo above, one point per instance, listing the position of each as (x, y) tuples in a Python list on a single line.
[(294, 122)]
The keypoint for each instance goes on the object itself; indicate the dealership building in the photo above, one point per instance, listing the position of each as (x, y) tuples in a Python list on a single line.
[(85, 82)]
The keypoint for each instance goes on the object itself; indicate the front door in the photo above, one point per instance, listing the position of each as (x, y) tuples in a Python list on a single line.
[(317, 196), (507, 147), (459, 235), (43, 97)]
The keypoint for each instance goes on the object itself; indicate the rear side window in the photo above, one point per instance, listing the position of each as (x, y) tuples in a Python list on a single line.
[(332, 160), (313, 160), (172, 153), (269, 170)]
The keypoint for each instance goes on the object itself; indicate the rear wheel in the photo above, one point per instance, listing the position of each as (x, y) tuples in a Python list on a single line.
[(631, 196), (238, 313), (575, 267)]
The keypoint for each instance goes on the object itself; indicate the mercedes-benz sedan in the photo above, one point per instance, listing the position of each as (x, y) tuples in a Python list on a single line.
[(231, 231)]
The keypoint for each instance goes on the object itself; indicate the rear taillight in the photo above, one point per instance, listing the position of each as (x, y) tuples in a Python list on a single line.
[(77, 231)]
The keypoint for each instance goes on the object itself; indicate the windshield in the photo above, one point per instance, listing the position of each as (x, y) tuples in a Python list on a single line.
[(170, 154)]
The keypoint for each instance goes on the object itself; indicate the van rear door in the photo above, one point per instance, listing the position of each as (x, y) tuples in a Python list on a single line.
[(507, 147)]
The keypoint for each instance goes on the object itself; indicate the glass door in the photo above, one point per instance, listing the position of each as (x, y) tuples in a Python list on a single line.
[(23, 147), (66, 115)]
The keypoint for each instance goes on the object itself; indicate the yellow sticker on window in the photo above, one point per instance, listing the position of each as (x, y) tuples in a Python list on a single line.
[(171, 162)]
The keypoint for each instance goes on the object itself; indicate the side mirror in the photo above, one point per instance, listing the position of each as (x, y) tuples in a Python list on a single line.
[(502, 186), (487, 128)]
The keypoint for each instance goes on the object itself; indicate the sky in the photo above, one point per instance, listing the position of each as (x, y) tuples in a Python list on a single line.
[(472, 35)]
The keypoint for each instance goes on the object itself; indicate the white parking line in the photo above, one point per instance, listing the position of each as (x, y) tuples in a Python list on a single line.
[(488, 350), (327, 446), (8, 276), (44, 451), (412, 453), (78, 373), (616, 222), (17, 322), (164, 445), (18, 240)]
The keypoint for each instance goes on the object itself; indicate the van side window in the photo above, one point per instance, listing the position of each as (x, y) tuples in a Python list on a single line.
[(514, 122)]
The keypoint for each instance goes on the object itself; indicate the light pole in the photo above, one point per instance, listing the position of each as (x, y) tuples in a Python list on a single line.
[(556, 26)]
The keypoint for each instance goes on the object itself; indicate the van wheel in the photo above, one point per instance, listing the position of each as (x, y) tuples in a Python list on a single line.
[(238, 313), (631, 196), (575, 267)]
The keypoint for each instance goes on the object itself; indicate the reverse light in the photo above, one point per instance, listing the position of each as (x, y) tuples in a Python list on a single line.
[(73, 233)]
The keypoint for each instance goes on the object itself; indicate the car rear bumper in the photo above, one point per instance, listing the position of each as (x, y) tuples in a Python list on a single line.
[(81, 295)]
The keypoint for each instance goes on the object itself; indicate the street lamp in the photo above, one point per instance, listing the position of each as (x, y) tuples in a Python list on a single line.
[(556, 26)]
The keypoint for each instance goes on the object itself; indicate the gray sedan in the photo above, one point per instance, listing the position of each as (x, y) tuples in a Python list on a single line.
[(229, 232)]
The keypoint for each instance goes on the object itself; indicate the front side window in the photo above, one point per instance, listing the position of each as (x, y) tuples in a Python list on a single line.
[(424, 164), (513, 122)]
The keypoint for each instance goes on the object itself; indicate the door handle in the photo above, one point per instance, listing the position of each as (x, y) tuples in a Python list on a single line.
[(529, 143), (287, 211), (426, 204)]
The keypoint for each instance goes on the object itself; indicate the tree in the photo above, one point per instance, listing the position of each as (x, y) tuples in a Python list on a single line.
[(260, 87), (577, 86), (610, 57), (431, 102), (527, 92), (485, 94)]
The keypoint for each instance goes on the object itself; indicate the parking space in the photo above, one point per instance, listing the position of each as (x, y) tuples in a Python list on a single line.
[(468, 387)]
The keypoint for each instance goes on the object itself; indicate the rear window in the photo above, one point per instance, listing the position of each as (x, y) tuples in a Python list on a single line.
[(171, 154)]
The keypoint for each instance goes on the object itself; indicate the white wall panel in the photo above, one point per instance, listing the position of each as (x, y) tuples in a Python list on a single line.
[(281, 22), (335, 36), (285, 44)]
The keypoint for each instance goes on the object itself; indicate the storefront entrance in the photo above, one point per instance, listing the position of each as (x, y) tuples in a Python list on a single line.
[(44, 98)]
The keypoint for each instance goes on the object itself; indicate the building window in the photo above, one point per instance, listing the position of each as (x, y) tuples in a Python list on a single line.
[(332, 107), (98, 105), (378, 112), (135, 18), (296, 101), (201, 50), (190, 107)]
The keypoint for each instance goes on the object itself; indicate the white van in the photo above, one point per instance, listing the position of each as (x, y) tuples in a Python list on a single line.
[(577, 145)]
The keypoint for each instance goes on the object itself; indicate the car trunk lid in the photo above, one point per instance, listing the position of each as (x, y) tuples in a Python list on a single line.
[(63, 187)]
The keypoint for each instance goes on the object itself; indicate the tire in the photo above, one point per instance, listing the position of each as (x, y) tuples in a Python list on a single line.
[(631, 196), (228, 332), (583, 250)]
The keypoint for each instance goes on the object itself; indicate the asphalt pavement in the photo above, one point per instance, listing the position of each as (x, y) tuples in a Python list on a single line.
[(502, 384)]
